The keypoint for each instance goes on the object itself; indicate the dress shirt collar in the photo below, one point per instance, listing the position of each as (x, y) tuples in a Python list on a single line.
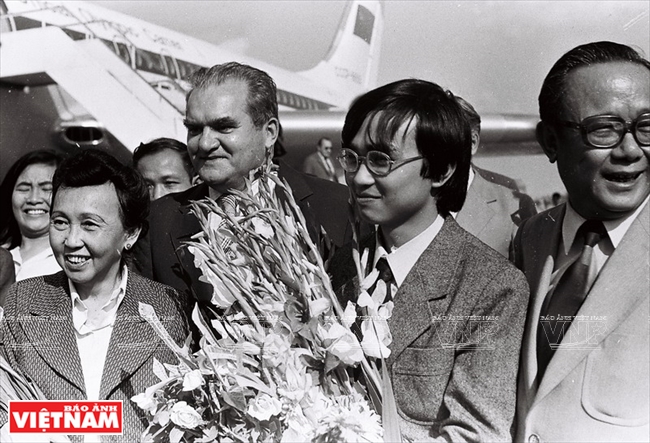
[(616, 229), (469, 183), (401, 260), (80, 311)]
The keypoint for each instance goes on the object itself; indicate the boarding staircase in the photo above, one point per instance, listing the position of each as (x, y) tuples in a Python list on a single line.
[(110, 90)]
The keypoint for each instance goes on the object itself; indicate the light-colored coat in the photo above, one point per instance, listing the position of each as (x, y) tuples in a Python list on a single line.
[(459, 292), (314, 164), (492, 212), (598, 391), (39, 339)]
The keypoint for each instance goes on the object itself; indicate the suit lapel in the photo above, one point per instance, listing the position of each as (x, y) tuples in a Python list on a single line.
[(614, 295), (182, 231), (539, 270), (52, 333), (424, 291), (481, 200), (132, 340)]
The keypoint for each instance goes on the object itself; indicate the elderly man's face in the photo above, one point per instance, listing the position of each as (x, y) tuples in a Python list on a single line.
[(604, 183), (223, 142)]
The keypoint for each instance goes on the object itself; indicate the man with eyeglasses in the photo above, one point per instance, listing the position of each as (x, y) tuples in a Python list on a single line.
[(584, 372), (457, 305)]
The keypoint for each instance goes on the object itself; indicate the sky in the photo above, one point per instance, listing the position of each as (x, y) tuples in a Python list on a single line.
[(493, 53)]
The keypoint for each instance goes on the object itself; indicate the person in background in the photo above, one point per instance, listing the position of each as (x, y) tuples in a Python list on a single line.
[(78, 334), (406, 155), (585, 369), (491, 211), (165, 166), (320, 163), (25, 197)]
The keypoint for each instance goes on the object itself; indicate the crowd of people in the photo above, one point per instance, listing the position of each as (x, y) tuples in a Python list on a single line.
[(559, 298)]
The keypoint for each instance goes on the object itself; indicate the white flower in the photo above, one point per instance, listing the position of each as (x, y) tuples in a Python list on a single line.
[(349, 315), (184, 415), (192, 380), (275, 348), (376, 338), (145, 402), (263, 407), (318, 306), (345, 345), (262, 227)]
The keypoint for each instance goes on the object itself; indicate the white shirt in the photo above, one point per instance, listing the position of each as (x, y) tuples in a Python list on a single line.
[(401, 260), (569, 251), (93, 341), (42, 263)]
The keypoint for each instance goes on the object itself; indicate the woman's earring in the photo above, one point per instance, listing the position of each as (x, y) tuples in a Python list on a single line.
[(127, 246)]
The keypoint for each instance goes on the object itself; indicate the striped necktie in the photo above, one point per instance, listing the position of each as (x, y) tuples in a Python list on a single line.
[(569, 294), (226, 202)]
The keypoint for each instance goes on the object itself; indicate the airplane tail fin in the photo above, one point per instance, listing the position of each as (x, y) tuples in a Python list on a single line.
[(351, 65)]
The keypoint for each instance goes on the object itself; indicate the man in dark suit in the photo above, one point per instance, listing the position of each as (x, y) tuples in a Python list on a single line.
[(320, 162), (491, 211), (585, 368), (458, 306), (232, 125)]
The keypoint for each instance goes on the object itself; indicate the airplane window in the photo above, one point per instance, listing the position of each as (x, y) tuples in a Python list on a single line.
[(26, 23), (150, 62), (123, 52), (75, 35), (171, 68)]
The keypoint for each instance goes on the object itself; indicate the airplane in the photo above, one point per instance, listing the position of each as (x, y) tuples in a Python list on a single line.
[(75, 75)]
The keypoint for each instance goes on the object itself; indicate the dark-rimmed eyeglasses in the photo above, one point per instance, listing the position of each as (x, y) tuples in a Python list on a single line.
[(377, 162), (607, 131)]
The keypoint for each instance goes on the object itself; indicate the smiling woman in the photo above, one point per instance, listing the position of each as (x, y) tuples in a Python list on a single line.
[(25, 197), (90, 343)]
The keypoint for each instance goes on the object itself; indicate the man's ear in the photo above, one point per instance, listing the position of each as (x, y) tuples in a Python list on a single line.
[(547, 138), (444, 178), (272, 129), (476, 140)]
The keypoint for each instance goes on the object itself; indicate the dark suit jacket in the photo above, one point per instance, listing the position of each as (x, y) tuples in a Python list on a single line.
[(39, 339), (7, 273), (160, 254), (446, 389), (315, 165), (492, 213), (600, 389)]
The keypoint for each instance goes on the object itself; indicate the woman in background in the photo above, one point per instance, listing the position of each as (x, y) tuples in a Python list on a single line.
[(25, 197), (89, 342)]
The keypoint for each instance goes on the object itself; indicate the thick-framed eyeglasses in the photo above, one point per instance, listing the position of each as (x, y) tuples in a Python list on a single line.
[(377, 162), (607, 131)]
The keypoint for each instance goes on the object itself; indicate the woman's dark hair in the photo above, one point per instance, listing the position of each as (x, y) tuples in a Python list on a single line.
[(91, 168), (442, 131), (9, 230)]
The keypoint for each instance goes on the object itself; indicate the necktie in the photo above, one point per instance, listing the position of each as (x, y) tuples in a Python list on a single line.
[(568, 296), (227, 203)]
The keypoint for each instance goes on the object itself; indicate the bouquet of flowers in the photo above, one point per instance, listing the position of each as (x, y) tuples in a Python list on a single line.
[(276, 347)]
